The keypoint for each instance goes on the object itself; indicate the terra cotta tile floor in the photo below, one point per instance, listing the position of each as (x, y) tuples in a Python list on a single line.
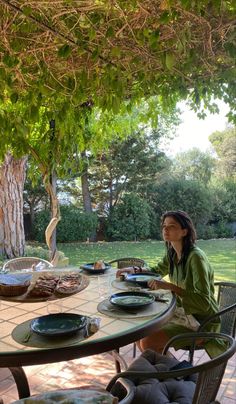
[(96, 370)]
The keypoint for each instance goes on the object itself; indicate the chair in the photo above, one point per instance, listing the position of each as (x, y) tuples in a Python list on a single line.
[(226, 298), (85, 394), (128, 262), (16, 264), (160, 379)]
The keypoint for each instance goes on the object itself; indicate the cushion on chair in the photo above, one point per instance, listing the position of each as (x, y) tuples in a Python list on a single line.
[(156, 391), (71, 396)]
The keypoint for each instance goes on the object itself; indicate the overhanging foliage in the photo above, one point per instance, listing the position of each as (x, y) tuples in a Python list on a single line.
[(109, 51)]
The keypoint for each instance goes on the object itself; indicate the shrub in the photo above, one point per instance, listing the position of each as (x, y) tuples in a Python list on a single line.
[(36, 251), (129, 219), (73, 226), (206, 231), (190, 196), (216, 230)]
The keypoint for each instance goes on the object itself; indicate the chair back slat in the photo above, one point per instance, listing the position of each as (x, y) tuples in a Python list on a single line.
[(17, 264), (226, 298), (128, 262), (208, 384)]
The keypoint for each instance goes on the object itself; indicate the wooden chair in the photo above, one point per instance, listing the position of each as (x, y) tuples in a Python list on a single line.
[(199, 384), (16, 264)]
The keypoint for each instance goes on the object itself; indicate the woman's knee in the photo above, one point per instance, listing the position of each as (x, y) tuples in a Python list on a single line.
[(154, 341)]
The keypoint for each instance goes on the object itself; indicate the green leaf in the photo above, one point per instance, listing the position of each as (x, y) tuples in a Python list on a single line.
[(115, 104), (170, 61), (165, 17), (187, 3), (9, 60), (34, 112), (110, 32), (64, 51), (27, 10), (231, 48), (92, 34), (95, 53), (116, 51)]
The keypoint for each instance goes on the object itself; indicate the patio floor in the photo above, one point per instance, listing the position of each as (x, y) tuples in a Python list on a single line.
[(98, 370)]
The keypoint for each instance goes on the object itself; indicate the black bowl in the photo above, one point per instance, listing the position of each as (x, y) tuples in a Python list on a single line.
[(90, 268), (58, 325)]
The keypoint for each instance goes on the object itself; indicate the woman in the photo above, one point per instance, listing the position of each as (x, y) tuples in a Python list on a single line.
[(191, 279)]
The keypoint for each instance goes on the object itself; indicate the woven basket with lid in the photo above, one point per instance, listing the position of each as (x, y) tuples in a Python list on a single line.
[(13, 290)]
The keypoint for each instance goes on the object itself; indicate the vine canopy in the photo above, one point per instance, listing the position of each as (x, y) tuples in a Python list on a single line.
[(108, 51)]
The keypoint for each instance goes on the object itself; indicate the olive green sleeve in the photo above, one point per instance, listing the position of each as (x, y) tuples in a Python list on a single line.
[(162, 267), (197, 295)]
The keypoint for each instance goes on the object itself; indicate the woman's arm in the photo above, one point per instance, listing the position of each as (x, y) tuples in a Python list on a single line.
[(198, 295), (154, 284), (130, 270), (162, 267)]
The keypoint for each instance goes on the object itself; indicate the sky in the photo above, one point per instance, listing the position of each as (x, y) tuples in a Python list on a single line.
[(194, 132)]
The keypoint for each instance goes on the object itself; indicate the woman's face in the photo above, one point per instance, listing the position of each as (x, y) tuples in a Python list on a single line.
[(172, 230)]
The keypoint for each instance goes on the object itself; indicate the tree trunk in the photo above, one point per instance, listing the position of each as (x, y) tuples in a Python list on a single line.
[(12, 179), (85, 192), (86, 195), (53, 246)]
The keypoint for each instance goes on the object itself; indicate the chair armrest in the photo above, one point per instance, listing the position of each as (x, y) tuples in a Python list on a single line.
[(215, 316), (137, 376), (128, 387)]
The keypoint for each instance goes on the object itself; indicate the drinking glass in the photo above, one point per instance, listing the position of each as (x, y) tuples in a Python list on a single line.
[(104, 286)]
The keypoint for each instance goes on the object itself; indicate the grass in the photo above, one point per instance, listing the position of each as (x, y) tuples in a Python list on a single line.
[(221, 253)]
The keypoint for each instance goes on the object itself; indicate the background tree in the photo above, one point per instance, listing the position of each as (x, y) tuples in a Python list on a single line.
[(224, 143), (194, 165), (190, 196), (127, 50), (12, 178), (129, 219), (129, 158), (224, 201), (54, 57), (35, 196), (127, 166)]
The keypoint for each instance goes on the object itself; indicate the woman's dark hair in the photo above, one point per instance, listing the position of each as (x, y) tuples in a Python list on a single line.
[(188, 241)]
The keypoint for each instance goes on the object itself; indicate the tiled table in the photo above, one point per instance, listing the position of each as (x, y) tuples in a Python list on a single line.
[(113, 332)]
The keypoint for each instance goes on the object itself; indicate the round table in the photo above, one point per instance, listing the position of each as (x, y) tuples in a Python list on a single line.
[(113, 333)]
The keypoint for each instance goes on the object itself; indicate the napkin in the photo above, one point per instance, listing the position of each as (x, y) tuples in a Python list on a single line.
[(14, 279), (40, 266)]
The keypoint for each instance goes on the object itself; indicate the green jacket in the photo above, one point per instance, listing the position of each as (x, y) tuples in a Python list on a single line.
[(197, 281)]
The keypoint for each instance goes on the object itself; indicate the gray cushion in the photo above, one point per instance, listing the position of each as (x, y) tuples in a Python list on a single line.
[(154, 391)]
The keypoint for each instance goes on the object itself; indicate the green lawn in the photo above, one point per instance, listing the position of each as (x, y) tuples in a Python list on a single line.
[(221, 253)]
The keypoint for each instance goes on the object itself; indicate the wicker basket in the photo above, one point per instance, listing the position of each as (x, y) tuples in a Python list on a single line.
[(13, 290)]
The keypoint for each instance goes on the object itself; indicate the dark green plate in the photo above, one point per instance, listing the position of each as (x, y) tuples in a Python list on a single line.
[(132, 300), (54, 325), (142, 278)]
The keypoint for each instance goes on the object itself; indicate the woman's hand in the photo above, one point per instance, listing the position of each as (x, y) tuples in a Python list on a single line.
[(154, 284)]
